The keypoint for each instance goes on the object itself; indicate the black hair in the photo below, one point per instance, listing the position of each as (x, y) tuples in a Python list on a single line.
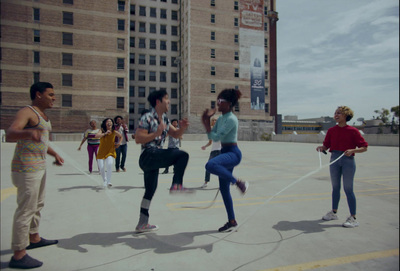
[(115, 119), (231, 95), (174, 120), (144, 111), (39, 86), (156, 95), (104, 127)]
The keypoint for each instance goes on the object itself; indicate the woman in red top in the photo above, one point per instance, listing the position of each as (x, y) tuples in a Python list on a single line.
[(346, 139)]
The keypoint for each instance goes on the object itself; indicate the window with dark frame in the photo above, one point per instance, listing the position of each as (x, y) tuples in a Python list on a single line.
[(142, 43), (133, 9), (174, 15), (163, 61), (69, 2), (266, 108), (153, 44), (36, 35), (132, 26), (142, 92), (132, 108), (163, 45), (236, 72), (163, 29), (36, 57), (212, 35), (212, 20), (67, 59), (132, 42), (120, 63), (212, 55), (142, 27), (131, 91), (153, 60), (174, 46), (153, 28), (236, 55), (153, 76), (174, 77), (174, 109), (132, 58), (36, 14), (212, 70), (67, 79), (120, 102), (121, 25), (174, 93), (142, 75), (121, 5), (121, 44), (66, 100), (131, 75), (163, 77), (142, 59), (68, 18), (212, 88), (153, 12), (163, 13), (120, 83), (142, 11), (67, 38), (212, 104)]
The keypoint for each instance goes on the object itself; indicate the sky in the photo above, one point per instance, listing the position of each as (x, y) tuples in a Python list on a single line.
[(341, 52)]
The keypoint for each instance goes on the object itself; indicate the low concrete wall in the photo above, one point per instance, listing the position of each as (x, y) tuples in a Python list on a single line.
[(372, 139), (79, 137)]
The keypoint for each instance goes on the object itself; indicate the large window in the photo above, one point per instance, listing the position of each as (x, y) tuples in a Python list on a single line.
[(142, 59), (142, 92), (36, 14), (121, 63), (121, 5), (36, 35), (36, 57)]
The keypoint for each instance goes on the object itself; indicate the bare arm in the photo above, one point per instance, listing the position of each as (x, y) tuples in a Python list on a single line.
[(358, 150), (208, 144), (25, 117), (59, 160), (142, 136), (83, 140)]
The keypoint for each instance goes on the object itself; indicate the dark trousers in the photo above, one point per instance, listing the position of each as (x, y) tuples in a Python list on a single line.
[(152, 159), (121, 156)]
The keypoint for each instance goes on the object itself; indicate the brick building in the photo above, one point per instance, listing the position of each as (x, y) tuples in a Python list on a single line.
[(105, 56)]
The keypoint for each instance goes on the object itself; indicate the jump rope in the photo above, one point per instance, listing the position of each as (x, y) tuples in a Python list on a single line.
[(213, 202)]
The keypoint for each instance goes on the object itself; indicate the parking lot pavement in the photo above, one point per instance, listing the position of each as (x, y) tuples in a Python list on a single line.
[(280, 226)]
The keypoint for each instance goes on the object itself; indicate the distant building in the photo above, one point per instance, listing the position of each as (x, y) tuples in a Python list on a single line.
[(291, 124)]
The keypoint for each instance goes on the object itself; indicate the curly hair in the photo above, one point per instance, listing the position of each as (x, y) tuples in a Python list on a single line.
[(231, 95), (345, 110)]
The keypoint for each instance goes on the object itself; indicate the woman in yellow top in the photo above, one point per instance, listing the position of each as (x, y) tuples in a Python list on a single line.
[(106, 153)]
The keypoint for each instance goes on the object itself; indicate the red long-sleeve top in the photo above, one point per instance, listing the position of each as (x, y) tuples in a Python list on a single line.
[(344, 138)]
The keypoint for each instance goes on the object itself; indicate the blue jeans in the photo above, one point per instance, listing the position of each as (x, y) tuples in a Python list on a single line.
[(346, 167), (222, 166)]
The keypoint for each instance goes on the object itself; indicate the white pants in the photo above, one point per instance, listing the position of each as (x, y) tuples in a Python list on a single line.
[(106, 165)]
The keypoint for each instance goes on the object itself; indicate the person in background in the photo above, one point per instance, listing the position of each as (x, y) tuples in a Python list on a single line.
[(347, 140), (30, 129), (121, 151), (215, 151), (225, 130), (106, 154), (173, 143), (92, 143)]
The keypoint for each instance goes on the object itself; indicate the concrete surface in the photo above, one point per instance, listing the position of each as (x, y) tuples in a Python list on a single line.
[(280, 226)]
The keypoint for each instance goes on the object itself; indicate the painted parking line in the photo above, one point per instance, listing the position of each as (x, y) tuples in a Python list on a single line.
[(7, 192), (337, 261)]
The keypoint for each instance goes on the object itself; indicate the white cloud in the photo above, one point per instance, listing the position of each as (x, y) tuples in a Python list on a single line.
[(339, 52)]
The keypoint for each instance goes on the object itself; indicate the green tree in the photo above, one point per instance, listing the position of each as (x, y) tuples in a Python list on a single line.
[(383, 115), (395, 122)]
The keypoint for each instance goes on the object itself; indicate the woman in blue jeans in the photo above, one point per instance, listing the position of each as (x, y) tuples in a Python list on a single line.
[(225, 130), (346, 139)]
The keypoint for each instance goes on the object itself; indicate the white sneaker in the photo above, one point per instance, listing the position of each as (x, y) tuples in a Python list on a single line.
[(109, 185), (204, 185), (350, 222), (330, 216)]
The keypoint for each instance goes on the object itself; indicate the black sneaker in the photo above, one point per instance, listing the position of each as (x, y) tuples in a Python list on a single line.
[(242, 185), (25, 262), (229, 226)]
